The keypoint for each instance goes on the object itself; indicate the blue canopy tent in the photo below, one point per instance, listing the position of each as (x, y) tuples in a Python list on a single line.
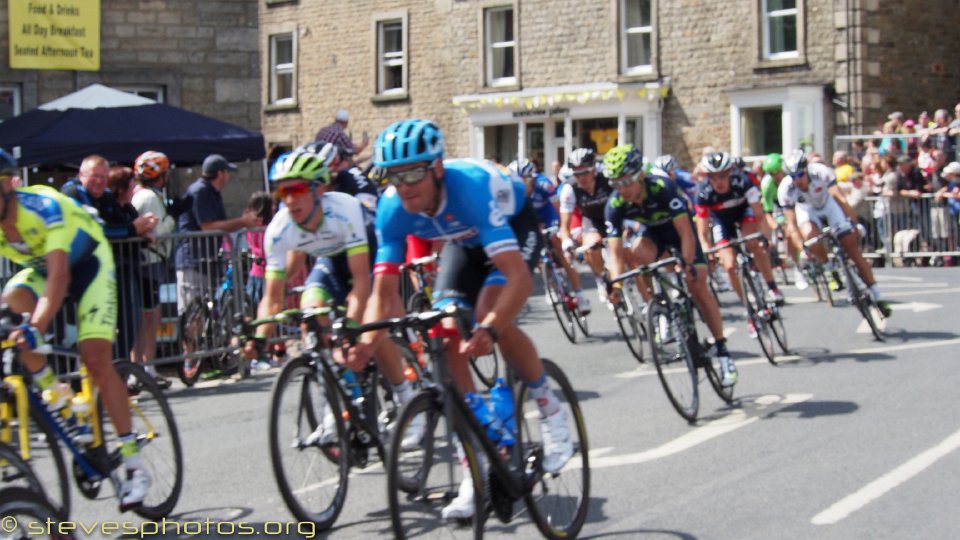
[(119, 126)]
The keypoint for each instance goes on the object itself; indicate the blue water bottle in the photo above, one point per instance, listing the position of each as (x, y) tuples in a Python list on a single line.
[(350, 380), (483, 415), (501, 396)]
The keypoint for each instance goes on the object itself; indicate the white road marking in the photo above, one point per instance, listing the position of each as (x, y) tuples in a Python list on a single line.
[(884, 277), (736, 419), (864, 328), (887, 482), (916, 307), (648, 369), (916, 292), (905, 346)]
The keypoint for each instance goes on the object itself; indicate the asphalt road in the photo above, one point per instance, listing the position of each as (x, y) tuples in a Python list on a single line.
[(848, 438)]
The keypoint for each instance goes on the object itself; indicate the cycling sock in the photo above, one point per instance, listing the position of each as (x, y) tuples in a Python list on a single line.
[(722, 348), (404, 391), (546, 400), (875, 291), (130, 451), (45, 378), (772, 285)]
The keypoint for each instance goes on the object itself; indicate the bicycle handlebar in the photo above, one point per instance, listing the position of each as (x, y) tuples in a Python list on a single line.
[(648, 269), (736, 242)]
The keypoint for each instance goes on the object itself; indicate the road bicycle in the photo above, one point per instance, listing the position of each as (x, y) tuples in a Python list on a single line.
[(857, 292), (324, 419), (560, 292), (416, 286), (206, 332), (677, 351), (422, 481), (766, 316), (23, 413)]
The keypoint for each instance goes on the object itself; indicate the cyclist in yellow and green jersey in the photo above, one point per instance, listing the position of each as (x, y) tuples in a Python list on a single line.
[(63, 251)]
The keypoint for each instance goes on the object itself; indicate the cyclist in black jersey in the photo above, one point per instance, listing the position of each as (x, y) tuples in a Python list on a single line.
[(589, 192), (661, 209)]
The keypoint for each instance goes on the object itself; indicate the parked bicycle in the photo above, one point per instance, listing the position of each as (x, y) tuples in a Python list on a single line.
[(206, 333), (422, 481), (677, 351), (22, 411), (857, 292), (766, 316)]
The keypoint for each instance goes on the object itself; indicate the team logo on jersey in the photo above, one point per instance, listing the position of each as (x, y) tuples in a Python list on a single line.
[(496, 216), (448, 217)]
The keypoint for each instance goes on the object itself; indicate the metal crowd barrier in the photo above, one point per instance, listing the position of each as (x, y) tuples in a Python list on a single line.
[(902, 229)]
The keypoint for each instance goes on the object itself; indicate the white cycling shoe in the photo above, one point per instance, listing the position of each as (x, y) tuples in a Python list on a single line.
[(462, 507), (557, 447), (133, 489), (413, 436)]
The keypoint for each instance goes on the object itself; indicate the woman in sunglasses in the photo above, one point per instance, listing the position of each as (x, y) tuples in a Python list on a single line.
[(811, 199), (330, 227), (492, 244)]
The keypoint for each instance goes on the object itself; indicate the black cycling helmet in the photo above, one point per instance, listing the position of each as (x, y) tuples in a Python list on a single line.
[(795, 163), (582, 157)]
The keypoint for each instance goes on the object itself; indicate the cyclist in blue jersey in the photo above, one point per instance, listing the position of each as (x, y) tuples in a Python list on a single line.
[(492, 245), (667, 165), (546, 202)]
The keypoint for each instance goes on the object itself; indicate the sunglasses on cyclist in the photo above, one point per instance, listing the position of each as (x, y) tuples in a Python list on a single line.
[(410, 177), (581, 172), (292, 190), (625, 180), (797, 175)]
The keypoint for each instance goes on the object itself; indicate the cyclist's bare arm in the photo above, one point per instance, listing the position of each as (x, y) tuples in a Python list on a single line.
[(688, 242), (616, 263), (703, 232), (359, 264), (58, 282), (764, 225), (564, 231)]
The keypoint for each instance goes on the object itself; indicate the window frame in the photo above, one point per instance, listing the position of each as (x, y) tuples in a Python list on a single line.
[(379, 23), (140, 89), (17, 99), (489, 80), (795, 103), (623, 40), (762, 38), (274, 69)]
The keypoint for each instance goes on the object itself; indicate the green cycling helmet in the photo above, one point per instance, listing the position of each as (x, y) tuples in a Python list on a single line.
[(307, 162), (621, 160), (773, 164)]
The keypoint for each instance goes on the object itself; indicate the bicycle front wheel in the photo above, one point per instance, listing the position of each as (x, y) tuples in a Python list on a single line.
[(866, 305), (46, 461), (559, 500), (192, 324), (25, 512), (158, 439), (486, 368), (551, 282), (632, 330), (14, 472), (425, 477), (758, 313), (308, 443), (673, 358)]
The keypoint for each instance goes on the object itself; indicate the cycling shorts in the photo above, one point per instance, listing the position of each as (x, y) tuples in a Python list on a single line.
[(465, 271), (664, 237), (831, 214), (93, 284), (725, 230), (328, 283)]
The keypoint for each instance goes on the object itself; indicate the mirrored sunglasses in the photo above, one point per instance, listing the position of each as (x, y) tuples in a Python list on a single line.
[(293, 190), (413, 176), (625, 180)]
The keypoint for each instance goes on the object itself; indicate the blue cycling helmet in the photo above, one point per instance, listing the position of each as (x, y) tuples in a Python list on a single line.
[(8, 164), (522, 167), (408, 141)]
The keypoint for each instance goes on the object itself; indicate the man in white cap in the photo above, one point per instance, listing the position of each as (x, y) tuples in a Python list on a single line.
[(336, 133)]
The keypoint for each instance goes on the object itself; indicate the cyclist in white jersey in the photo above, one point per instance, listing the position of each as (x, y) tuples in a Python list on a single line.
[(811, 199), (321, 225)]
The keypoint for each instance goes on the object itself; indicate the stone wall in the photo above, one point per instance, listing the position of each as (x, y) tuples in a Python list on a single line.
[(205, 55)]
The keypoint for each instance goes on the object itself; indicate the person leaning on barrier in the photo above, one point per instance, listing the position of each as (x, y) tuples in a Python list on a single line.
[(328, 226), (151, 170), (63, 251), (90, 189)]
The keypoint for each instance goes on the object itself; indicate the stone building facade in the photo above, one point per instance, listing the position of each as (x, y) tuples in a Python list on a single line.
[(539, 77), (201, 56)]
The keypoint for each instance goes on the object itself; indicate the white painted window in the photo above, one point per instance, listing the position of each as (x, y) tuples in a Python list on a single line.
[(779, 27), (391, 57), (636, 36), (155, 93), (282, 68), (776, 120), (501, 49), (9, 102)]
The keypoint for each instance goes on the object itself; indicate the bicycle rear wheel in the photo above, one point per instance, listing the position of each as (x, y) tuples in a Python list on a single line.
[(308, 443), (14, 472), (192, 324), (673, 358), (551, 283), (157, 437), (706, 360), (423, 480), (559, 501)]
